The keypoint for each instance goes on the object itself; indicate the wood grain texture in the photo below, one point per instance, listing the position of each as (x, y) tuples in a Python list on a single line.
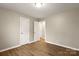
[(40, 48)]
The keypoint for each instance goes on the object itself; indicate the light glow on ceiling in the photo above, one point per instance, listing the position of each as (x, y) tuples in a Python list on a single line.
[(38, 5)]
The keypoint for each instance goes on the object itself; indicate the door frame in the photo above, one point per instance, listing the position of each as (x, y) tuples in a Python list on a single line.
[(21, 33), (36, 31)]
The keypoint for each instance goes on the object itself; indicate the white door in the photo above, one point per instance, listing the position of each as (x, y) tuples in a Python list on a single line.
[(24, 30), (43, 29), (36, 31)]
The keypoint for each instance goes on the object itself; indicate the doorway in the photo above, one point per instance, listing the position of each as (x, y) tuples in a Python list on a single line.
[(24, 30), (43, 30), (36, 31), (39, 30)]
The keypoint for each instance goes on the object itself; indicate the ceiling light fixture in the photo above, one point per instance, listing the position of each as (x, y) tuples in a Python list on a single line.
[(38, 5)]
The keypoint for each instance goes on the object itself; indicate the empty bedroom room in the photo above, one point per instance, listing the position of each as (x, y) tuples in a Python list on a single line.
[(39, 29)]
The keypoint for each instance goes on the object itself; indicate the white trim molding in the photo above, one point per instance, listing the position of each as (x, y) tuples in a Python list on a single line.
[(15, 46), (33, 41), (9, 48), (62, 45)]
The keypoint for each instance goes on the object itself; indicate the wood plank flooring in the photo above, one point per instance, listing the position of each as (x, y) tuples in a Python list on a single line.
[(40, 48)]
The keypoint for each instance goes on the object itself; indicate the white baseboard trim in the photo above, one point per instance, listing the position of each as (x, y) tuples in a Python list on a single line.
[(15, 46), (9, 48), (63, 45), (33, 41)]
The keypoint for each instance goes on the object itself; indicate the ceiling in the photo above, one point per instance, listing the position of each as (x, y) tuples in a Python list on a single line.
[(42, 12)]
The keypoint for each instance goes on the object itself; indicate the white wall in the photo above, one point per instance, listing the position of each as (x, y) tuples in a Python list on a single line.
[(63, 29), (10, 28)]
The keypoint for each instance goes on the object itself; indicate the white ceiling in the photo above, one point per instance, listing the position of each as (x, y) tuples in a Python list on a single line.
[(45, 11)]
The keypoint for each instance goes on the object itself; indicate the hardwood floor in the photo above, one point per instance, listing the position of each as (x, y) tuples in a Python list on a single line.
[(40, 48)]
